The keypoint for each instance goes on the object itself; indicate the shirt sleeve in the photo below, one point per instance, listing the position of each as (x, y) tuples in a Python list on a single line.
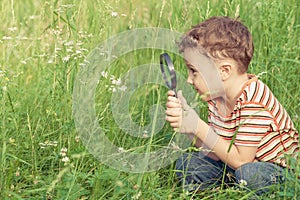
[(255, 123)]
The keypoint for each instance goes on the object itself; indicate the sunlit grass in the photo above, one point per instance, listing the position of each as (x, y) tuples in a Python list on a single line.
[(43, 44)]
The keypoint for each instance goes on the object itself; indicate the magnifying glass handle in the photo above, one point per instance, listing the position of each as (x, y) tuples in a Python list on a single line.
[(175, 93)]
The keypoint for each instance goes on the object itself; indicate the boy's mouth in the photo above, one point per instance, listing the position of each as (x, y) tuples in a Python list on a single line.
[(199, 92)]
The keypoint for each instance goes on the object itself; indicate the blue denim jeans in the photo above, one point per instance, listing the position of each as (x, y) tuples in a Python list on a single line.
[(198, 172)]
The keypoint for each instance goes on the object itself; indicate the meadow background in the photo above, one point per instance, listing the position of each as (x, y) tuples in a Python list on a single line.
[(44, 43)]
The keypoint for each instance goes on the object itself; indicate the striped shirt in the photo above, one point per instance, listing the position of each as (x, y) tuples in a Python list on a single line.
[(258, 119)]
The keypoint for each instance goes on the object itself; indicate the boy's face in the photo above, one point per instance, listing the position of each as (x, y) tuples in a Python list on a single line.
[(203, 75), (195, 78)]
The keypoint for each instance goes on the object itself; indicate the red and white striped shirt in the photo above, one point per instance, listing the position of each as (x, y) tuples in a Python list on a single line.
[(258, 119)]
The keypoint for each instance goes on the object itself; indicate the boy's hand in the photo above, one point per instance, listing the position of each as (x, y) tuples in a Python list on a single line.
[(181, 116)]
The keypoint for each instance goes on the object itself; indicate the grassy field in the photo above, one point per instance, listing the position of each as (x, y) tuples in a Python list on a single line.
[(43, 45)]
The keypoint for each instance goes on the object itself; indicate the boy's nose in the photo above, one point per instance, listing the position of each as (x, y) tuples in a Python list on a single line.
[(189, 80)]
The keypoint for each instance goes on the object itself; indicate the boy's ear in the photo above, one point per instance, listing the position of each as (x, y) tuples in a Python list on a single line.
[(225, 71)]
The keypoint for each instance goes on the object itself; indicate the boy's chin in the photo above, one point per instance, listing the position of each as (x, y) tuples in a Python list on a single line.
[(204, 97), (208, 97)]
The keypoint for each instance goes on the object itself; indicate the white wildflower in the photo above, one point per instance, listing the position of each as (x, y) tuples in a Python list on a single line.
[(104, 74), (116, 81), (119, 183), (57, 49), (50, 61), (261, 74), (65, 159), (66, 58), (67, 5), (79, 43), (243, 183), (63, 152), (123, 88), (18, 172), (57, 31), (272, 196), (86, 61), (137, 196), (112, 77), (48, 143), (77, 138), (123, 15), (18, 74), (145, 134), (273, 178), (174, 146), (2, 73), (11, 140), (114, 14), (12, 29), (33, 17), (69, 50), (6, 38), (70, 43), (59, 10), (53, 143), (22, 38), (83, 49), (42, 145), (78, 51), (121, 149)]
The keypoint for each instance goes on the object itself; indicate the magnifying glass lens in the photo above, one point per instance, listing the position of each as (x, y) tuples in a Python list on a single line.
[(167, 69), (168, 75)]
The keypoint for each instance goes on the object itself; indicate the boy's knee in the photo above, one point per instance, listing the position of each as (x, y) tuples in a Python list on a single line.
[(198, 172), (258, 175), (185, 164), (185, 171), (245, 173)]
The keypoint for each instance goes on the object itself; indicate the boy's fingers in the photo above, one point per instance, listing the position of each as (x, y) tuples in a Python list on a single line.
[(174, 99), (174, 112), (173, 120), (171, 93), (182, 100), (175, 125), (173, 105)]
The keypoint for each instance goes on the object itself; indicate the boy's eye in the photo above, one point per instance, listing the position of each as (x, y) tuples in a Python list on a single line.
[(192, 70)]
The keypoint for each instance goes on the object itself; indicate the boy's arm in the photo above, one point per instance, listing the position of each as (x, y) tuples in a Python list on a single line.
[(199, 144), (235, 156), (186, 120), (175, 110)]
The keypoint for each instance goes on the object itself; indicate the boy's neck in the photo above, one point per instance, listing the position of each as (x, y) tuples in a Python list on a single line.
[(233, 89)]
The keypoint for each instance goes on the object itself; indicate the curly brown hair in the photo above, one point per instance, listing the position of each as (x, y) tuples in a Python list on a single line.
[(221, 37)]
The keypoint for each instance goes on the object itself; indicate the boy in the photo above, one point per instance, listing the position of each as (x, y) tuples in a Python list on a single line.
[(248, 132)]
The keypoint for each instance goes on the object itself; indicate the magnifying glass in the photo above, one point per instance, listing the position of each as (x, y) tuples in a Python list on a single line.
[(168, 71)]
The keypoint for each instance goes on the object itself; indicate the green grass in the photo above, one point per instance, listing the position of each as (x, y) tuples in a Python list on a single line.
[(44, 43)]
